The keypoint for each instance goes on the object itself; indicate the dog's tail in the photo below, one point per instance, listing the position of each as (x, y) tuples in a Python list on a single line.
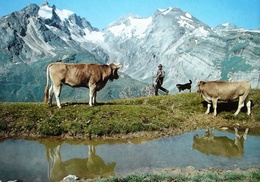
[(190, 81)]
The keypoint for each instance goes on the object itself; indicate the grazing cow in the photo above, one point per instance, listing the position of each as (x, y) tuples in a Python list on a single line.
[(213, 91), (220, 145), (182, 87), (92, 76)]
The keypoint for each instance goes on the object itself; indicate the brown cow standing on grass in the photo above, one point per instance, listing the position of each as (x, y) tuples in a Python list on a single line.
[(92, 76), (213, 91)]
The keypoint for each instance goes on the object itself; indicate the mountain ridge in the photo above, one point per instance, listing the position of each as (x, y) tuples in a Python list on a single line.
[(190, 37), (187, 48)]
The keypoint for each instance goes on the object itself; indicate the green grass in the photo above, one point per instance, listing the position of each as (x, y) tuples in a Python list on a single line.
[(209, 177), (158, 113)]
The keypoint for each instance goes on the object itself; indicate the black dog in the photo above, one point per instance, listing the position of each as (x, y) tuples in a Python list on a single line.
[(184, 86)]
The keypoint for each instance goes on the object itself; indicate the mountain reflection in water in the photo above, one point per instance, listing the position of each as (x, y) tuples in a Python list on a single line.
[(52, 160)]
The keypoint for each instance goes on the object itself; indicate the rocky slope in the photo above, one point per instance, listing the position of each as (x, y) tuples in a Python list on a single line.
[(188, 49)]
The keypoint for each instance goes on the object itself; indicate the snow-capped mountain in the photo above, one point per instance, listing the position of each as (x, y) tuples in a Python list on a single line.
[(37, 35), (37, 32), (186, 47), (155, 40), (225, 27)]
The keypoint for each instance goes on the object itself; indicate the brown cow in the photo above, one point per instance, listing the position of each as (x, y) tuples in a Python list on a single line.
[(92, 76), (213, 91), (208, 143)]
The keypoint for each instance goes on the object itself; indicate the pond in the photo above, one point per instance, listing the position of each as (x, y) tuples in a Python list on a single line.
[(52, 159)]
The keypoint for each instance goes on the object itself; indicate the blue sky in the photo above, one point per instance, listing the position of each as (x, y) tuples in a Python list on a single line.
[(243, 13)]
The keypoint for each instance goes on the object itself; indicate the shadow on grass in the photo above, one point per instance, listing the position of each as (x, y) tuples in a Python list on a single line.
[(229, 106), (66, 104)]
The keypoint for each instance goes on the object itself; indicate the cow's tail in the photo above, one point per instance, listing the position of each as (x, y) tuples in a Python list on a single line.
[(46, 91)]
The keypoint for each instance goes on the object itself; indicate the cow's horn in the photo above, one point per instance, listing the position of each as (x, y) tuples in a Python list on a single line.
[(119, 66)]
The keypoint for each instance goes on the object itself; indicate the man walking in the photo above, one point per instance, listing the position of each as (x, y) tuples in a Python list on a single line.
[(159, 80)]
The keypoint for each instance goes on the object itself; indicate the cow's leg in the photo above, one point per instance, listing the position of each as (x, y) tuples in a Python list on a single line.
[(94, 98), (90, 97), (237, 137), (248, 105), (236, 132), (57, 157), (92, 91), (212, 133), (50, 95), (240, 104), (208, 109), (57, 90), (214, 104), (245, 134)]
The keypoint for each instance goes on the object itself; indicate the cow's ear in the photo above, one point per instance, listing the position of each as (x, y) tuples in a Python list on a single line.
[(119, 66), (201, 83)]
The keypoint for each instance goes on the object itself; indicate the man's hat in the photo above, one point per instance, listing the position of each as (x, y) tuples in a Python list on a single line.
[(160, 65)]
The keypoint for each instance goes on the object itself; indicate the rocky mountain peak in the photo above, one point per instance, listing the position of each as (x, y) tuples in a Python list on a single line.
[(169, 10), (225, 26), (31, 10), (45, 3)]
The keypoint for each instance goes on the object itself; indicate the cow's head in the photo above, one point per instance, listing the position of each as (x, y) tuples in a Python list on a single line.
[(114, 67), (199, 84)]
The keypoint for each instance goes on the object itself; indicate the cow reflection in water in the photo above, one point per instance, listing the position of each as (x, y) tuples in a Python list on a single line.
[(221, 145), (91, 167)]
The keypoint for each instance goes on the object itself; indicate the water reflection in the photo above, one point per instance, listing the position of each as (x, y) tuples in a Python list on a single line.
[(208, 143), (51, 160), (92, 166), (60, 166)]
